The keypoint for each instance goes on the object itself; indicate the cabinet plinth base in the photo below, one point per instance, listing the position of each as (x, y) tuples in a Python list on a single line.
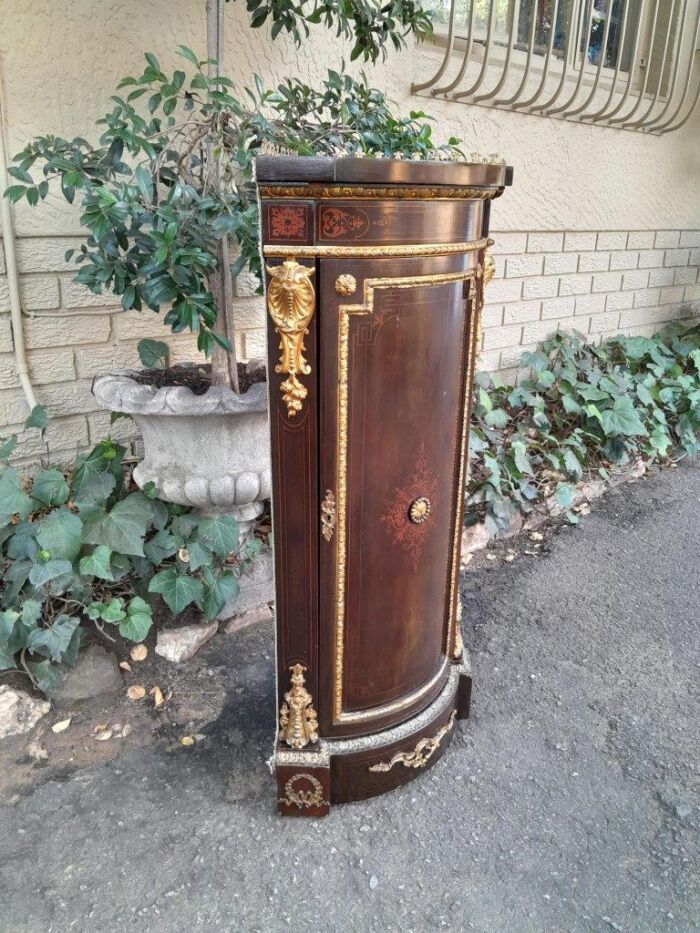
[(342, 770)]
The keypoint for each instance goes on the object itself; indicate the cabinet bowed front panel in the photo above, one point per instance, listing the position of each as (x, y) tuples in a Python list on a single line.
[(375, 272)]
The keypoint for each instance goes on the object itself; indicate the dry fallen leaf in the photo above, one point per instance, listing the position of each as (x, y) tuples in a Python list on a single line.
[(125, 666), (103, 736), (139, 652), (136, 692), (536, 536), (60, 726), (100, 727), (157, 695), (187, 740), (126, 730)]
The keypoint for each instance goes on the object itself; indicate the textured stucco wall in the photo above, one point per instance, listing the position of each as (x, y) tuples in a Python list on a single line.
[(598, 233)]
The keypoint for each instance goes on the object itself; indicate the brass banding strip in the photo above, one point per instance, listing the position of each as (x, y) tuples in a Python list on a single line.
[(364, 193), (362, 252), (345, 312)]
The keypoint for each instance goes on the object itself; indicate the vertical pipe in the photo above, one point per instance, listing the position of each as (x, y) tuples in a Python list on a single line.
[(8, 239)]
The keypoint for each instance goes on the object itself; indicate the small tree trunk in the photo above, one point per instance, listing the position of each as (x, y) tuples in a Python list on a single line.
[(224, 367)]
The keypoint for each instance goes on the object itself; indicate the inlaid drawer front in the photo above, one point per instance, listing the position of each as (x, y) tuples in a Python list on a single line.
[(393, 221), (371, 772)]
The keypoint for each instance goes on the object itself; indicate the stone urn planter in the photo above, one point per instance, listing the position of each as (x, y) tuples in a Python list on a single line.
[(210, 451)]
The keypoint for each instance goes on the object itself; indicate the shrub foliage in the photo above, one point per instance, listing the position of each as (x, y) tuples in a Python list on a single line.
[(584, 409)]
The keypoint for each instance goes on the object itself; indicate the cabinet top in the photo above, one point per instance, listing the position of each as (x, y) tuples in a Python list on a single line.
[(300, 169)]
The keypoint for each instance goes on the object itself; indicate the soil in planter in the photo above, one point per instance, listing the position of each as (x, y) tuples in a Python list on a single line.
[(196, 378)]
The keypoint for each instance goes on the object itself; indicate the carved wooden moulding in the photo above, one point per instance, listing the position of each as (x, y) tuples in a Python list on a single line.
[(375, 274)]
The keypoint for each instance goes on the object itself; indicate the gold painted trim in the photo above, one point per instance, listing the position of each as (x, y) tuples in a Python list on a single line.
[(421, 754), (298, 719), (345, 313), (399, 192), (291, 301), (275, 251)]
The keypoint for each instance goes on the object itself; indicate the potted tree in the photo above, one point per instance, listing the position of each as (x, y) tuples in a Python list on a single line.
[(172, 218)]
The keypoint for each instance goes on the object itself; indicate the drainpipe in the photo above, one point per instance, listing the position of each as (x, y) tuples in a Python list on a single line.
[(8, 236)]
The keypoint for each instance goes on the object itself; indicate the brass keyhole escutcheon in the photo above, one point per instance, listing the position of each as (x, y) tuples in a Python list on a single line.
[(419, 510)]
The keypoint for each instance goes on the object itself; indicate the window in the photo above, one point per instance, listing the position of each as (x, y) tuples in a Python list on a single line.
[(625, 63)]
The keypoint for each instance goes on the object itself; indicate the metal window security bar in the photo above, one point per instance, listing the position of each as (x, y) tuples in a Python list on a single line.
[(627, 64)]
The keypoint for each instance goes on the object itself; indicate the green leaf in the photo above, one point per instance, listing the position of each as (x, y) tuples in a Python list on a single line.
[(220, 534), (13, 500), (43, 573), (522, 460), (177, 589), (153, 353), (160, 547), (47, 676), (123, 528), (198, 556), (37, 418), (60, 533), (113, 611), (50, 488), (31, 613), (6, 448), (54, 640), (496, 418), (95, 491), (622, 418), (97, 564), (138, 621), (564, 495), (216, 595)]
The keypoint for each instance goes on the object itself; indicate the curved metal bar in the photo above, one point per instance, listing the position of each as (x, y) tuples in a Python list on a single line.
[(667, 128), (528, 61), (643, 88), (506, 62), (571, 26), (545, 67), (603, 52), (641, 120), (599, 113), (584, 60), (448, 51), (633, 59), (487, 51), (663, 127), (465, 59)]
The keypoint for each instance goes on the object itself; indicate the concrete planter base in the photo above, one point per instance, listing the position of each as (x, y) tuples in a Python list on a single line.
[(207, 451)]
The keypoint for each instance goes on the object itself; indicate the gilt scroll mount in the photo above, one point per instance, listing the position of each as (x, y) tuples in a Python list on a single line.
[(291, 301)]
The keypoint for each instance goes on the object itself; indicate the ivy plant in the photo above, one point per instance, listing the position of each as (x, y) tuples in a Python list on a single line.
[(584, 410), (79, 548)]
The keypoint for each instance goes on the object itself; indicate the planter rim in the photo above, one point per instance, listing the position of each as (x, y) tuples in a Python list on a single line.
[(121, 392)]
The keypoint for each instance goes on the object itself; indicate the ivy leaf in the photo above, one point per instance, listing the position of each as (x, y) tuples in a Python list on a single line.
[(37, 418), (496, 418), (220, 534), (60, 533), (6, 448), (113, 611), (43, 573), (98, 563), (198, 556), (47, 676), (152, 353), (177, 589), (8, 644), (564, 495), (50, 488), (138, 621), (54, 640), (217, 594), (13, 500), (160, 547), (522, 461), (95, 490), (572, 464), (123, 528), (622, 418)]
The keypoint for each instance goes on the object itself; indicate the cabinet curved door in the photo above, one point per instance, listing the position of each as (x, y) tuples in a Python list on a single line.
[(394, 358)]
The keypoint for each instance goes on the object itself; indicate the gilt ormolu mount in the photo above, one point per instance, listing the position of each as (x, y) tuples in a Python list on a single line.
[(375, 273)]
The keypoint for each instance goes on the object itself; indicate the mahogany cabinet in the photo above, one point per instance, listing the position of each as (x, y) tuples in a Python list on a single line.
[(374, 281)]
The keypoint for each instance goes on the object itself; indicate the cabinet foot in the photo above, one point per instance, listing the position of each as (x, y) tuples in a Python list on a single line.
[(303, 791)]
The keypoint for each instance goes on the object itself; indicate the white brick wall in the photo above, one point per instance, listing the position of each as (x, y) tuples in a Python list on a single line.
[(598, 283)]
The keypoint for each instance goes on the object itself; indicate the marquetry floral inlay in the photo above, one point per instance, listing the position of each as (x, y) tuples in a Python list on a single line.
[(400, 516), (288, 223)]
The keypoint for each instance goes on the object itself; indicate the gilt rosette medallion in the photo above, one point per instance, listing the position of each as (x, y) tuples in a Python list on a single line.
[(407, 517)]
